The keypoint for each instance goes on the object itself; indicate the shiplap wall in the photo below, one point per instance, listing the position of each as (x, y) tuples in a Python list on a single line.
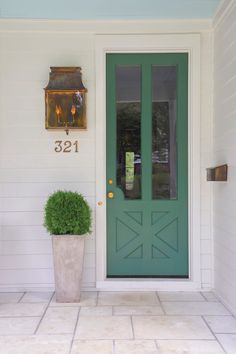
[(206, 159), (29, 167), (225, 152)]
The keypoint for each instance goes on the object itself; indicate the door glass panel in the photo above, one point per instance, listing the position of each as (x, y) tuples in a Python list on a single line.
[(164, 149), (128, 115)]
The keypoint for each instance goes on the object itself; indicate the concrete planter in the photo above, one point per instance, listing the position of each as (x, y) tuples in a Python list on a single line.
[(68, 256)]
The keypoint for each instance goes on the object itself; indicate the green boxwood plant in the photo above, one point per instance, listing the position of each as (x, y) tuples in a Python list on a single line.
[(67, 213)]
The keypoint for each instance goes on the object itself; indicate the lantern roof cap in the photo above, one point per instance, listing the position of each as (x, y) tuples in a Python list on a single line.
[(65, 78)]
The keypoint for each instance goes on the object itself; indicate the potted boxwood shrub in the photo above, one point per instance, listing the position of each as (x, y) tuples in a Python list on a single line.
[(68, 219)]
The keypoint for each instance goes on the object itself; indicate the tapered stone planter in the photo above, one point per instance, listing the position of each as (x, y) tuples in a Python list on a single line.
[(68, 256)]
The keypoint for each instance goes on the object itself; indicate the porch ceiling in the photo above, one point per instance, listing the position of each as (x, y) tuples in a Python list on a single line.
[(109, 9)]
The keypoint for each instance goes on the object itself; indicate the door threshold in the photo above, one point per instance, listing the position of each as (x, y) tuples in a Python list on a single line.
[(147, 284), (144, 277)]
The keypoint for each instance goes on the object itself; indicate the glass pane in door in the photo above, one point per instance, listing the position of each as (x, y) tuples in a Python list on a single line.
[(164, 147), (128, 116)]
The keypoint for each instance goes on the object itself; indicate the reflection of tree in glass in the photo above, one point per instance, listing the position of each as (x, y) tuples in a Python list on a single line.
[(128, 125), (160, 121), (160, 148)]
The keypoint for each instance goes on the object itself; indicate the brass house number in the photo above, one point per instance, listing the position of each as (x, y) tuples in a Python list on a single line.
[(66, 146)]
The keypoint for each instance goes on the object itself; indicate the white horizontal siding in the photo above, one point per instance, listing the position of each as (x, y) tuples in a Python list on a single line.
[(206, 158), (43, 276), (26, 276), (26, 247), (21, 204), (47, 175), (44, 160), (22, 218), (22, 233), (44, 189), (225, 152), (30, 169), (36, 246), (26, 261)]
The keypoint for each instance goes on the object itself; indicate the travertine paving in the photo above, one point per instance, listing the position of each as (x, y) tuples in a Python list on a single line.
[(116, 323)]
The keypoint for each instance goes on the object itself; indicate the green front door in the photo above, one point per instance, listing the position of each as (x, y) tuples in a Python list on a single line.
[(147, 165)]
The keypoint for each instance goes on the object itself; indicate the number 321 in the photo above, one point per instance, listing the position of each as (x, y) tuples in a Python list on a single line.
[(66, 146)]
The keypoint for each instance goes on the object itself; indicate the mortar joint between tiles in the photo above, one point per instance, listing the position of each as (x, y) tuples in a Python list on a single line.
[(157, 295), (205, 298), (204, 320), (162, 307), (132, 325), (156, 344), (20, 299), (44, 313), (76, 324)]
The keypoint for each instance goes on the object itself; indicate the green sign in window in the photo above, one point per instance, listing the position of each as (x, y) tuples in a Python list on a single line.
[(129, 170)]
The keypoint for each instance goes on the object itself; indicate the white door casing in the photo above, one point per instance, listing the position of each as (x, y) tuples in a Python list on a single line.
[(163, 43)]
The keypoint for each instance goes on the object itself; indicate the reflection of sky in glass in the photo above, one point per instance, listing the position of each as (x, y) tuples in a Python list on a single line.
[(128, 83)]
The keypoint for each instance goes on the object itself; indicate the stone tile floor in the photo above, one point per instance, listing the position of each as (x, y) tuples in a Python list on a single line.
[(116, 323)]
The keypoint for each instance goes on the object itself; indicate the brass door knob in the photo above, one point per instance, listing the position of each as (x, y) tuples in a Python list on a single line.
[(110, 195)]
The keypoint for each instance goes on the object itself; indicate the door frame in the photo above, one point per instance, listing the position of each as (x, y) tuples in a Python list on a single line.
[(158, 43)]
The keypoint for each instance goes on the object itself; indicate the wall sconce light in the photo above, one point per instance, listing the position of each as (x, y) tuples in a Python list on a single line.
[(65, 97)]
